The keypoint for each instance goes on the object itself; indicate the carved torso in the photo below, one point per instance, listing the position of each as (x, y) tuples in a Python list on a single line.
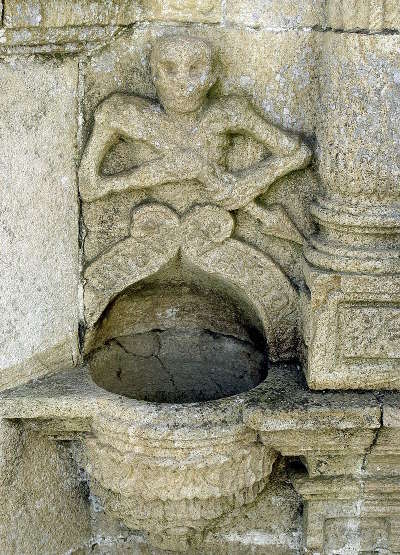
[(145, 123)]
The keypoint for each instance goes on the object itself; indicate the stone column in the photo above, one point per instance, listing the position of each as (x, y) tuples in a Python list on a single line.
[(354, 318)]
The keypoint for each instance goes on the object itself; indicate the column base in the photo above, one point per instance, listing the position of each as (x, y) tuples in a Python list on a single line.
[(355, 237), (344, 513), (351, 330)]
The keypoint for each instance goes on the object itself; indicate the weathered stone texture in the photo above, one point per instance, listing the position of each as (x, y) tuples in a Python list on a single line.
[(362, 133), (371, 15), (347, 15), (348, 441), (227, 287), (206, 11), (39, 228), (286, 14), (353, 324), (283, 91), (392, 15), (277, 71), (59, 13), (42, 503), (353, 331)]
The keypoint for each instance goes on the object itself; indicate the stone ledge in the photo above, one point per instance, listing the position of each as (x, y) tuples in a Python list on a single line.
[(67, 40), (281, 403), (286, 403), (279, 14), (288, 416), (372, 16)]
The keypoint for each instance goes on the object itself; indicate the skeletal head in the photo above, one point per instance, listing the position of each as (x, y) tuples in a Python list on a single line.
[(183, 72)]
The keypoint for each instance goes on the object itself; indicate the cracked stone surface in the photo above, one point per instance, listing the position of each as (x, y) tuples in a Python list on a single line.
[(178, 366), (200, 277)]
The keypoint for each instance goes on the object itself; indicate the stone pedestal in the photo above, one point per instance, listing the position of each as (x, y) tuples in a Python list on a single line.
[(344, 513), (356, 505), (352, 330), (352, 262)]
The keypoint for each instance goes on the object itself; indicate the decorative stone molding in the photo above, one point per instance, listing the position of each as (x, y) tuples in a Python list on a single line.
[(371, 15), (203, 236), (356, 502), (38, 13), (353, 335), (63, 13), (172, 478), (343, 512), (355, 238), (348, 442)]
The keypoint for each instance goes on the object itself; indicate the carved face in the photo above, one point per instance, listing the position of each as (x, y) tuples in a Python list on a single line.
[(182, 69)]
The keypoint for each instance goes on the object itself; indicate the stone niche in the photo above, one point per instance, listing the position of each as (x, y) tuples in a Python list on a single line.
[(200, 289), (177, 340), (178, 282)]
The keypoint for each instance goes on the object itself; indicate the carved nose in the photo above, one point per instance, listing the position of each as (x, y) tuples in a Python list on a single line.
[(181, 78), (184, 88)]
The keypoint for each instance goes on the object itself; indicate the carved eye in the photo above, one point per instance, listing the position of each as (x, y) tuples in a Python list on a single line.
[(168, 67), (195, 67)]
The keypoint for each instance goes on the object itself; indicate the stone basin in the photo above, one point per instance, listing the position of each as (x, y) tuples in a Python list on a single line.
[(173, 469), (180, 359)]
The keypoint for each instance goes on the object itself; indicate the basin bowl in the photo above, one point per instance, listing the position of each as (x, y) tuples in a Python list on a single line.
[(171, 470)]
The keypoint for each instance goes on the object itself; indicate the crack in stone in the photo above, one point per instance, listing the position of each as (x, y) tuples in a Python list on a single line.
[(154, 355), (378, 397), (384, 32)]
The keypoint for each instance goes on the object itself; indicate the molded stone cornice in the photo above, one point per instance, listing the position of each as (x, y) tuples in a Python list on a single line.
[(46, 14)]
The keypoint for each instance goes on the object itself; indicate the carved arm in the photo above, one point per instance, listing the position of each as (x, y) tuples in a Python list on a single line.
[(254, 181), (288, 154), (180, 164)]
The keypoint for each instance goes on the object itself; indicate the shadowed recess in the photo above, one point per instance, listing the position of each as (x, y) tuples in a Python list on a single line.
[(176, 339)]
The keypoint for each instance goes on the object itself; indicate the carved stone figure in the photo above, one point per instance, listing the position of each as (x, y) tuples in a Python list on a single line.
[(189, 135), (187, 138), (184, 321), (186, 217)]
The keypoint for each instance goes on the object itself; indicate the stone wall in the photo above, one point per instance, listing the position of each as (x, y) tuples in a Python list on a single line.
[(243, 254)]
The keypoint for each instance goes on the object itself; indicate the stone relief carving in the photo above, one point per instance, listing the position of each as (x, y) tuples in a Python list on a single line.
[(187, 213), (189, 138), (204, 237), (186, 137), (184, 425)]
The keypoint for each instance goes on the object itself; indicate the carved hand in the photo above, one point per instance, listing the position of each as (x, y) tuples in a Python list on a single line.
[(220, 184), (255, 181), (182, 164), (229, 190)]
